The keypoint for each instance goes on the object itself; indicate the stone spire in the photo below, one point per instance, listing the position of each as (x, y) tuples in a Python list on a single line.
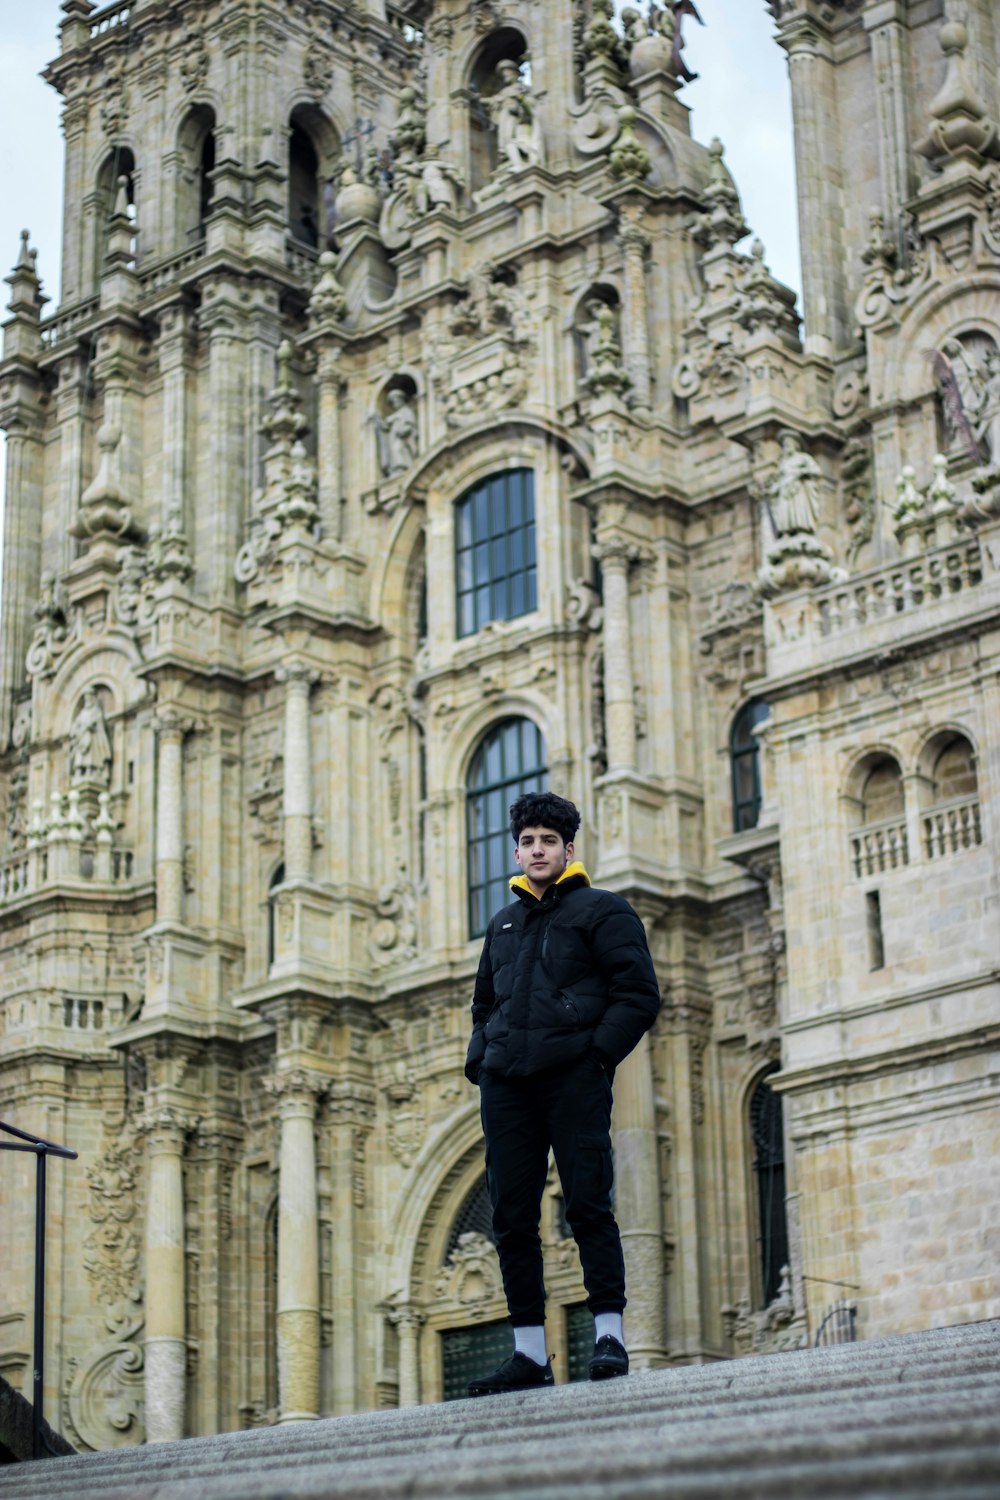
[(21, 333)]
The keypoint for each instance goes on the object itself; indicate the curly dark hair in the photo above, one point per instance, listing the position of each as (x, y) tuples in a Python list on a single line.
[(544, 810)]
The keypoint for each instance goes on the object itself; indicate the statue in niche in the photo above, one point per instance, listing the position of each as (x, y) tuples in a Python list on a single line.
[(519, 141), (397, 433), (968, 376), (90, 746), (795, 492)]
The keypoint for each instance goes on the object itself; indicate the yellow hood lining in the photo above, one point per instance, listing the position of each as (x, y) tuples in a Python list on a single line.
[(520, 882)]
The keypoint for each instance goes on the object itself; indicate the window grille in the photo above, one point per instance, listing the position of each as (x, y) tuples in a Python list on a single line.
[(474, 1216), (509, 761), (495, 571)]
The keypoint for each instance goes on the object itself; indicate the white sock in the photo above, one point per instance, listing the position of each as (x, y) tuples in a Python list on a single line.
[(531, 1341), (605, 1323)]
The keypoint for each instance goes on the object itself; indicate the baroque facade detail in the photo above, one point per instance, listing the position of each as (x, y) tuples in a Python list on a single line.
[(422, 424)]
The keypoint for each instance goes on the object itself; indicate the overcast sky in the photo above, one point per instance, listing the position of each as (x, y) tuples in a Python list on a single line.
[(741, 96)]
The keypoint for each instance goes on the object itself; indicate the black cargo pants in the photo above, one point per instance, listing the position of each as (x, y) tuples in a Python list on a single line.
[(568, 1109)]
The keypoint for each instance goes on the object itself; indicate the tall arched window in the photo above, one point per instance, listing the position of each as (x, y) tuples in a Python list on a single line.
[(744, 757), (767, 1140), (303, 188), (276, 879), (196, 163), (510, 760), (495, 570), (119, 164)]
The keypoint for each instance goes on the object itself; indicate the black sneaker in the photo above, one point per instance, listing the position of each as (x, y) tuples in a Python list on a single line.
[(610, 1359), (519, 1373)]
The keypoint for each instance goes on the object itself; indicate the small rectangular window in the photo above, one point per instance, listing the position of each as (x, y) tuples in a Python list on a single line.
[(876, 946)]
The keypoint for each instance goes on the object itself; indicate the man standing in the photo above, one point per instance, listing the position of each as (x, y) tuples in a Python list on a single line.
[(565, 990)]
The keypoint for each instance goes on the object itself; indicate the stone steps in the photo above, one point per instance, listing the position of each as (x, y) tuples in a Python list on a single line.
[(913, 1416)]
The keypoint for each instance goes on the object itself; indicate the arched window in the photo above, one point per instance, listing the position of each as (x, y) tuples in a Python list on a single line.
[(276, 879), (952, 821), (768, 1155), (744, 757), (495, 569), (120, 163), (879, 841), (303, 188), (510, 760), (196, 163)]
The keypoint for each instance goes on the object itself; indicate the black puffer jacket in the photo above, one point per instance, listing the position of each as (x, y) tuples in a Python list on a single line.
[(558, 976)]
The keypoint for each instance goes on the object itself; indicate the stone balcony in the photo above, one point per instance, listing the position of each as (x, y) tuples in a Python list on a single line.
[(873, 613)]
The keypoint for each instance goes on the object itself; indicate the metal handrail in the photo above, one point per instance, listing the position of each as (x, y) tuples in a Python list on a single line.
[(42, 1149)]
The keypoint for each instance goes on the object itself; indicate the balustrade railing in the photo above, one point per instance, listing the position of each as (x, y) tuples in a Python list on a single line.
[(952, 826), (30, 872), (877, 847), (110, 17), (893, 591)]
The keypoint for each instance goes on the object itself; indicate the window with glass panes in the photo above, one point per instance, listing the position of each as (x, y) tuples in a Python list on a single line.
[(510, 760), (767, 1137), (744, 756), (495, 570)]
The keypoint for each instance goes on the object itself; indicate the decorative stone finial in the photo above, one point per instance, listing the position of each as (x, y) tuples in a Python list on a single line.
[(328, 302), (629, 157), (960, 126)]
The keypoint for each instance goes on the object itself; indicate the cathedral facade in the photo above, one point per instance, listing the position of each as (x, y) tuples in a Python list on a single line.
[(420, 424)]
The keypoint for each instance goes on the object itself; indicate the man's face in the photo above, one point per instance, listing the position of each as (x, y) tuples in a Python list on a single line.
[(542, 856)]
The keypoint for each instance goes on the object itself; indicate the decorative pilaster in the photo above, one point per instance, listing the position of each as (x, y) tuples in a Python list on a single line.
[(408, 1322), (817, 171), (298, 1246), (616, 557), (637, 1206), (174, 348), (635, 318), (166, 1355), (886, 27), (171, 728), (298, 680)]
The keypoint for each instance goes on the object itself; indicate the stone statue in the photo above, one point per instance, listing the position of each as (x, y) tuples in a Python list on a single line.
[(439, 182), (636, 29), (90, 746), (988, 425), (795, 493), (397, 434), (519, 141)]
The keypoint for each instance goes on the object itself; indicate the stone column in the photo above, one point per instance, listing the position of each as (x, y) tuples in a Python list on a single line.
[(635, 318), (885, 23), (328, 459), (298, 680), (169, 817), (616, 558), (350, 1117), (166, 1351), (298, 1250), (637, 1206), (408, 1322), (818, 172)]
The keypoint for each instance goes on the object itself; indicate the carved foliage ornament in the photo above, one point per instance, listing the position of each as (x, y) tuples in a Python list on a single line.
[(104, 1392)]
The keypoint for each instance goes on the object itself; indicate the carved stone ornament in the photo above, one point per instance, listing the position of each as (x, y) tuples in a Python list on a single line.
[(470, 1276), (112, 1250), (393, 936), (104, 1393), (484, 362)]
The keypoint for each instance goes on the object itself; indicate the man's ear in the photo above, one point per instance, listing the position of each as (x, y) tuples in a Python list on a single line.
[(517, 854), (569, 850)]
